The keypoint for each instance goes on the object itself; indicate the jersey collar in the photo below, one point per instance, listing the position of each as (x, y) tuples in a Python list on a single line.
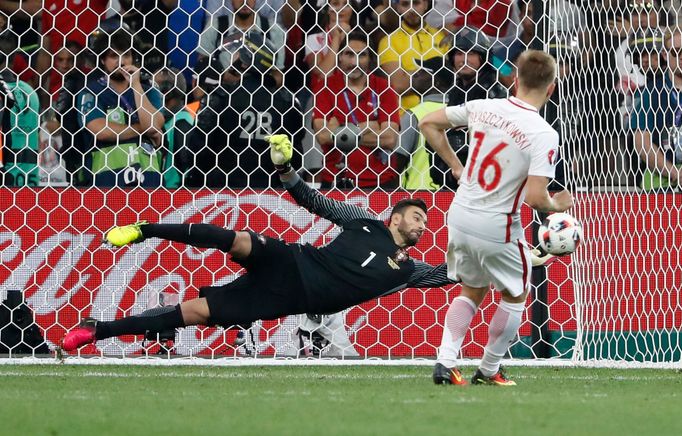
[(522, 104)]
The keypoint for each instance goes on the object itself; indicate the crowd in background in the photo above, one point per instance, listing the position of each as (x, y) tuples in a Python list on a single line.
[(181, 93)]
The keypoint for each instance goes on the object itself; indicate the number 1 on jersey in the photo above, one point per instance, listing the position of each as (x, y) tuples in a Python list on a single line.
[(488, 161), (369, 259)]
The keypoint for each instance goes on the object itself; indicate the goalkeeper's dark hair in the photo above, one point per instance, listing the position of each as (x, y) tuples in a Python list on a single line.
[(404, 204)]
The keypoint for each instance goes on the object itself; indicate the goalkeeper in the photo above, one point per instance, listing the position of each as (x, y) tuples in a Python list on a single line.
[(367, 260)]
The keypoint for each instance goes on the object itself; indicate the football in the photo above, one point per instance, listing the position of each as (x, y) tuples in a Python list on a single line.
[(560, 234)]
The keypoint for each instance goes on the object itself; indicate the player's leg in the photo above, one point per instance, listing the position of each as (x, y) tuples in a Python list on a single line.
[(504, 326), (457, 321), (234, 242), (510, 272), (154, 320), (462, 265)]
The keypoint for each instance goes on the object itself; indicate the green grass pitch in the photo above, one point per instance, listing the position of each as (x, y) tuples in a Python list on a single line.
[(326, 400)]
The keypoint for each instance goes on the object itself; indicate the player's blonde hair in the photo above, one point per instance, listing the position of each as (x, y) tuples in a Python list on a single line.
[(536, 70)]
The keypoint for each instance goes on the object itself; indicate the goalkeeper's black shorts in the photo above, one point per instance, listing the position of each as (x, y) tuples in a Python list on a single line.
[(270, 289)]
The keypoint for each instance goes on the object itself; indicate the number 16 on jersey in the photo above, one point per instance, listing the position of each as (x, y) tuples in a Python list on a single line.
[(489, 161)]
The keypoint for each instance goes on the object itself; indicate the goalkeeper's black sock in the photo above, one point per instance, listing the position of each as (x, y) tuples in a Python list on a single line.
[(197, 235), (155, 320)]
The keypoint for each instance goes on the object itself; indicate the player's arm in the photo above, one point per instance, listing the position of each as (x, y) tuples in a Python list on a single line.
[(433, 127), (544, 155), (537, 196), (337, 212), (429, 276)]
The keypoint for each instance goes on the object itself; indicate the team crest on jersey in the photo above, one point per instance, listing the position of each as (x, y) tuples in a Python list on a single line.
[(401, 255)]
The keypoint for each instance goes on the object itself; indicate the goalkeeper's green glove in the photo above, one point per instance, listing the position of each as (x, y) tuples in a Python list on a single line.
[(281, 152), (537, 259)]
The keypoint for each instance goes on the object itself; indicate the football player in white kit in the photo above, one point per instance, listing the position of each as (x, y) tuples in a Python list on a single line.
[(512, 155)]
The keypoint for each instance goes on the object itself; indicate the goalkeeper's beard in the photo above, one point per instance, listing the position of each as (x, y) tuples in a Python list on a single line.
[(411, 237)]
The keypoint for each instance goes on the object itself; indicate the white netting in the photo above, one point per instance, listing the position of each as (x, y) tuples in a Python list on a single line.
[(186, 144)]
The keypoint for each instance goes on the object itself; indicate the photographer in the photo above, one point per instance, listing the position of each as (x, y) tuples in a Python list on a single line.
[(122, 117)]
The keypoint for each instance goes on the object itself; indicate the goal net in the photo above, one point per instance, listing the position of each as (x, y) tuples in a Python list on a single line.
[(190, 148)]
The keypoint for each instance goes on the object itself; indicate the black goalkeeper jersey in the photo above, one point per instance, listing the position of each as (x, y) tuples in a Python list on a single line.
[(360, 264)]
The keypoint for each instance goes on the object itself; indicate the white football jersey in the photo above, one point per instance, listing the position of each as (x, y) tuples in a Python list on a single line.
[(508, 141)]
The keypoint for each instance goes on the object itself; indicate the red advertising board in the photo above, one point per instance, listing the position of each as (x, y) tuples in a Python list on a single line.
[(50, 248)]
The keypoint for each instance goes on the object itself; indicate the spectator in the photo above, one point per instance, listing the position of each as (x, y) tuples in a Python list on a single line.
[(656, 121), (443, 14), (167, 32), (63, 117), (598, 83), (355, 119), (324, 27), (23, 22), (271, 10), (177, 159), (509, 48), (122, 117), (321, 48), (565, 48), (66, 21), (673, 12), (398, 51), (20, 122), (642, 14), (223, 29), (495, 18), (413, 154), (475, 78), (229, 143), (312, 34)]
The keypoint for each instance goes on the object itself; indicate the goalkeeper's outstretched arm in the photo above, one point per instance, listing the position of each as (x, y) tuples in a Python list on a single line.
[(337, 212)]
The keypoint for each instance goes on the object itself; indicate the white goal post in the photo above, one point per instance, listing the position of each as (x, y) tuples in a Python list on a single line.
[(616, 302)]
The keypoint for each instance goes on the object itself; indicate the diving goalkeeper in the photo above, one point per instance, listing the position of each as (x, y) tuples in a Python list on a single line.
[(369, 259)]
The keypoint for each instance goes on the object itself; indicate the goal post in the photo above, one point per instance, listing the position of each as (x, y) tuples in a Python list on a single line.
[(616, 301)]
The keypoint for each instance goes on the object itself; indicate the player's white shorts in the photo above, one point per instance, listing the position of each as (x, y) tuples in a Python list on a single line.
[(478, 262)]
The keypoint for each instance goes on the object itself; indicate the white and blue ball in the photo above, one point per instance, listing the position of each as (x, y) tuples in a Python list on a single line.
[(560, 234)]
